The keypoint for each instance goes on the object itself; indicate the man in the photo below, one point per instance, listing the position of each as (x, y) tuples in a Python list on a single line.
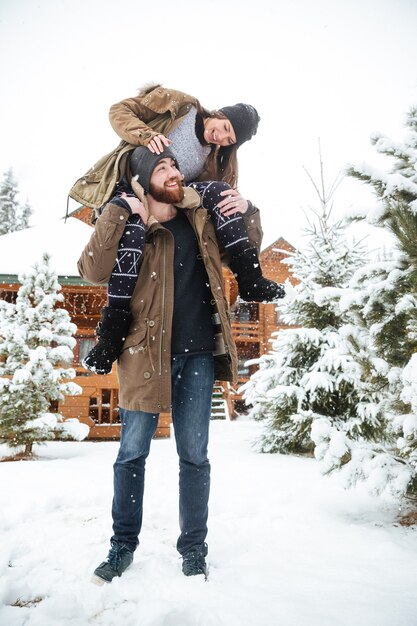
[(170, 358)]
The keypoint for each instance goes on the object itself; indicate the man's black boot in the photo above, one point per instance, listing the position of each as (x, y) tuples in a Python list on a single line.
[(112, 332), (253, 287), (118, 560), (194, 561)]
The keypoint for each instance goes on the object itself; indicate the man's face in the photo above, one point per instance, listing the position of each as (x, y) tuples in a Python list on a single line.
[(166, 182)]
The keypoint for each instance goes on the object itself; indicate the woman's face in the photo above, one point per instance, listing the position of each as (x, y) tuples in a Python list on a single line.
[(219, 131)]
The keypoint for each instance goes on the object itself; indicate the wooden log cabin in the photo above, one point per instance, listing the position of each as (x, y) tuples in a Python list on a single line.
[(253, 323), (97, 405)]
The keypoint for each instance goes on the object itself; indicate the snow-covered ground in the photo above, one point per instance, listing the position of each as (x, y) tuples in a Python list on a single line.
[(286, 546)]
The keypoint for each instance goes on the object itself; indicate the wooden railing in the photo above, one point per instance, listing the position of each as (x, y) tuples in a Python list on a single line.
[(246, 331)]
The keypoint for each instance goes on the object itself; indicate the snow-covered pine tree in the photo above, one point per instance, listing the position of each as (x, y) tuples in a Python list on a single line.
[(24, 216), (386, 303), (36, 347), (360, 450), (13, 215), (308, 374)]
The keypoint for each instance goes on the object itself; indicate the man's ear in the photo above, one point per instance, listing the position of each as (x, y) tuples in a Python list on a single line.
[(139, 190)]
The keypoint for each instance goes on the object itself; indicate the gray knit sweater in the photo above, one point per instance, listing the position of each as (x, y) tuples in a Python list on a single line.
[(191, 155)]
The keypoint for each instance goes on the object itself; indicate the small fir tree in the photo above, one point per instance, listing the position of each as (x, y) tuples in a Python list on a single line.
[(386, 304), (354, 450), (36, 347), (13, 215), (309, 373), (24, 216)]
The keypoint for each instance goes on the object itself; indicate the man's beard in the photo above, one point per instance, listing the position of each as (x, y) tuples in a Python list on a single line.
[(165, 194)]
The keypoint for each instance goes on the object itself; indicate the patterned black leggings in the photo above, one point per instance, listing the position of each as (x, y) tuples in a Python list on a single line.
[(231, 234)]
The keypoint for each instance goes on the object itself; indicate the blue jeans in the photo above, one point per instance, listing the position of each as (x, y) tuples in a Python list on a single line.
[(192, 389)]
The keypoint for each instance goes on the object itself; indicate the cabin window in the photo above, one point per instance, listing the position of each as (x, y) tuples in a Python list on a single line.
[(245, 312), (104, 406), (84, 347), (242, 369)]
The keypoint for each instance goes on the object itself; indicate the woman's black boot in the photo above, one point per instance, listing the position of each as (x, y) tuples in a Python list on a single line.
[(253, 287)]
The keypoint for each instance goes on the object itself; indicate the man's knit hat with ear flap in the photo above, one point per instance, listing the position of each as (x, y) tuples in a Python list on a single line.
[(244, 119), (143, 163)]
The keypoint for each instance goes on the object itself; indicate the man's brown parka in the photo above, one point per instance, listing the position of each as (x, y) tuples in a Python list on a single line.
[(144, 367)]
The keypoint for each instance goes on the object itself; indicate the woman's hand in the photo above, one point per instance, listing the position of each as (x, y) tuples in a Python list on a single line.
[(233, 203), (158, 144), (136, 206)]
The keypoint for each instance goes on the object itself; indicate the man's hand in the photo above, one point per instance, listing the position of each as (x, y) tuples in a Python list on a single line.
[(158, 144), (233, 203), (136, 206)]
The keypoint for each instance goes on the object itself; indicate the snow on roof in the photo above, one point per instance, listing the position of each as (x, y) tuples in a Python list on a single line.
[(64, 241)]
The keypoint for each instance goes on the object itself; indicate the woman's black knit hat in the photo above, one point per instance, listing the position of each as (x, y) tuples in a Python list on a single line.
[(143, 163), (244, 119)]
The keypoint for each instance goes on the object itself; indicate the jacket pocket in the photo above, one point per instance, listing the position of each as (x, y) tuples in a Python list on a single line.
[(136, 360), (136, 341)]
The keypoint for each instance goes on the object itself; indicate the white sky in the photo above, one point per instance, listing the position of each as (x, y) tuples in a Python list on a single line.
[(332, 69)]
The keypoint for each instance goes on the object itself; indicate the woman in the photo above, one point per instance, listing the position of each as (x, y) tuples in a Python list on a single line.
[(143, 121), (205, 145)]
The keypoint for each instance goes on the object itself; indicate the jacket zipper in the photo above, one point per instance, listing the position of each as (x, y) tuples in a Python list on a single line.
[(226, 347), (162, 306)]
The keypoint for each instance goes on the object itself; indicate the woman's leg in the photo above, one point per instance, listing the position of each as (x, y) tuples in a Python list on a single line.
[(231, 231), (116, 317), (233, 239), (126, 269)]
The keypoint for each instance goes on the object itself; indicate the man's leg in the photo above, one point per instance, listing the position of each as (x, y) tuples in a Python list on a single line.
[(137, 430), (192, 382)]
